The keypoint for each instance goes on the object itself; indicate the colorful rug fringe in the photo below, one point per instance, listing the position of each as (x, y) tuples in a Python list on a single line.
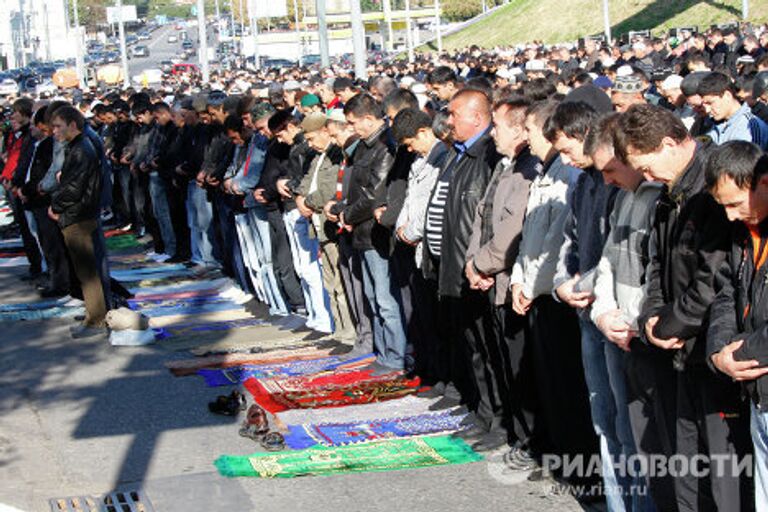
[(341, 434), (367, 457)]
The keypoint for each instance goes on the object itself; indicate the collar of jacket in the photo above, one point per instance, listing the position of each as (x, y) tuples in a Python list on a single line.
[(371, 139), (692, 179), (351, 145), (76, 140), (478, 144)]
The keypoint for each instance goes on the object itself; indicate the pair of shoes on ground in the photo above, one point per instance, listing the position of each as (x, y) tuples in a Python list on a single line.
[(256, 428)]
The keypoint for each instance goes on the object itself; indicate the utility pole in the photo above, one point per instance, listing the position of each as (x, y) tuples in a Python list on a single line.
[(322, 33), (78, 48), (607, 22), (438, 27), (744, 9), (388, 21), (203, 37), (408, 31), (358, 40), (296, 29), (255, 34), (123, 52)]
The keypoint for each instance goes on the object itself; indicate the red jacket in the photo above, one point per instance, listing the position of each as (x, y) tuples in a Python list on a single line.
[(13, 142)]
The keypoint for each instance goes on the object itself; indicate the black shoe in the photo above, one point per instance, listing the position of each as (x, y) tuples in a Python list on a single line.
[(492, 440), (32, 276), (444, 403), (177, 259), (435, 391), (51, 293), (473, 434), (314, 336)]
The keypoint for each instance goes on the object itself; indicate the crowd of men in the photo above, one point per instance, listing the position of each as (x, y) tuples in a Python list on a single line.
[(569, 241)]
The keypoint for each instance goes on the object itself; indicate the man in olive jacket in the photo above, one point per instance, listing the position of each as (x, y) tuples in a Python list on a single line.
[(75, 206)]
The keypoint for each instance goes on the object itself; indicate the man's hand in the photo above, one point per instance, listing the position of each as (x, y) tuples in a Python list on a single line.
[(258, 195), (572, 298), (347, 227), (52, 215), (670, 344), (520, 303), (613, 326), (212, 181), (400, 233), (737, 370), (378, 212), (180, 170), (327, 211), (301, 205), (282, 188)]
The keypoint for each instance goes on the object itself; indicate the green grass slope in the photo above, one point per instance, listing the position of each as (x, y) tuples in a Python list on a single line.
[(555, 21)]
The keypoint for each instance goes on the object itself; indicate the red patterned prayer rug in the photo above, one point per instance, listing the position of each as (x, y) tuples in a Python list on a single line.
[(334, 390)]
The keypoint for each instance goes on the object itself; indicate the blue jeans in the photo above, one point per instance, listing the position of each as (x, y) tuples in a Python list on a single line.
[(253, 232), (604, 372), (759, 430), (382, 292), (162, 211), (305, 252), (200, 217)]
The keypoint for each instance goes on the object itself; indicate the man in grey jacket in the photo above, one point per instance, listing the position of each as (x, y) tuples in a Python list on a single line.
[(618, 295), (493, 246), (553, 326)]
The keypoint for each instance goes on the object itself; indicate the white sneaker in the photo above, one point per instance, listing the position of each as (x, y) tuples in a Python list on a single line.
[(243, 298), (72, 302)]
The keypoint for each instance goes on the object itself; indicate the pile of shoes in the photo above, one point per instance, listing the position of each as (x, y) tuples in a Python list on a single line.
[(256, 424)]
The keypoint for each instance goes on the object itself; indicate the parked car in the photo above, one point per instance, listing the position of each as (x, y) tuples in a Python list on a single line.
[(187, 44), (185, 69), (166, 65), (8, 86), (148, 77), (46, 87), (140, 51), (173, 38)]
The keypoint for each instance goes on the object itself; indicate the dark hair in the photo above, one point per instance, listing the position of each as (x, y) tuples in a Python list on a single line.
[(601, 133), (363, 104), (52, 108), (479, 83), (140, 108), (644, 126), (234, 123), (400, 99), (441, 75), (541, 110), (70, 114), (245, 104), (160, 106), (516, 106), (408, 122), (139, 97), (739, 160), (716, 84), (23, 106), (440, 126), (39, 117), (571, 118), (538, 89), (280, 121)]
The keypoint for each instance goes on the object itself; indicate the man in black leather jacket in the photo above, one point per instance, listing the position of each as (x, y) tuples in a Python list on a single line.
[(374, 157), (461, 185), (76, 207)]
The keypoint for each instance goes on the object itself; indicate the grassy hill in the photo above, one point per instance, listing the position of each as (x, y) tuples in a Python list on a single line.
[(555, 21)]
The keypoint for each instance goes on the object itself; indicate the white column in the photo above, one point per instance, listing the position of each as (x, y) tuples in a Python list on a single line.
[(408, 31), (358, 40), (203, 37), (123, 51), (607, 22)]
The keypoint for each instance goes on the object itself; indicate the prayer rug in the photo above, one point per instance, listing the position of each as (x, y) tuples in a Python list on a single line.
[(232, 376), (182, 367), (123, 242), (357, 458), (202, 317), (191, 285), (191, 328), (340, 434), (165, 271), (410, 405), (345, 388), (17, 261), (187, 307)]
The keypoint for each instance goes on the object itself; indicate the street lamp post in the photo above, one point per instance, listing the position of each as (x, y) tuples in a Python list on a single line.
[(78, 48), (358, 40), (607, 22), (438, 27), (123, 52), (203, 37)]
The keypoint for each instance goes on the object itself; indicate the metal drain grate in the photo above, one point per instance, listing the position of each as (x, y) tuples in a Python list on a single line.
[(118, 501)]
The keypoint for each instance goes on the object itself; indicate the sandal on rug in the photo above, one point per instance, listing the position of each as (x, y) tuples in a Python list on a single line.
[(273, 442), (228, 405), (252, 432), (256, 423)]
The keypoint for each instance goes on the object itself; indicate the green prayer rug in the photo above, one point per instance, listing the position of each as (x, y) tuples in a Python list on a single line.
[(386, 455), (128, 241)]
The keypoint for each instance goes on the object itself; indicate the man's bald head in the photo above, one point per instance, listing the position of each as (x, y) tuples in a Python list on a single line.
[(469, 114)]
